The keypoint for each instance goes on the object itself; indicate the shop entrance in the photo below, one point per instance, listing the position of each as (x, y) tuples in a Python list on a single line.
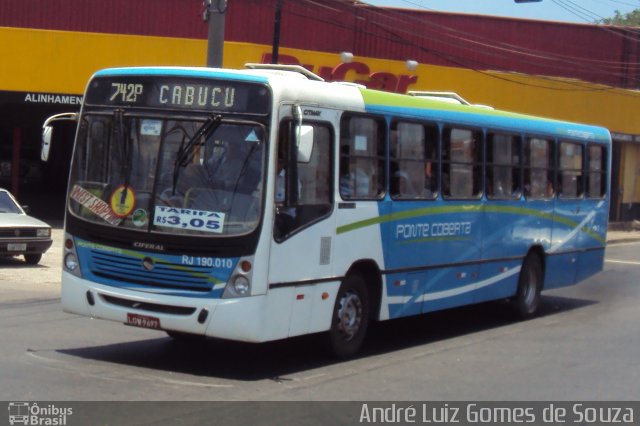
[(39, 185)]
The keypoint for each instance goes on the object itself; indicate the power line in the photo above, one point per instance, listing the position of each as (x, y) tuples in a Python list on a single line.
[(623, 3), (520, 50), (533, 54), (577, 10)]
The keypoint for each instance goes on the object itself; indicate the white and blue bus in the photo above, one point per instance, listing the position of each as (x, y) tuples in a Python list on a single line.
[(262, 204)]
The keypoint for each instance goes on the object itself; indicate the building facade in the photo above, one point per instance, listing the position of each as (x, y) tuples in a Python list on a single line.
[(583, 73)]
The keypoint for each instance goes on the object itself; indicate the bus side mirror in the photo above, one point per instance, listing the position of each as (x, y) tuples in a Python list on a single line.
[(47, 131), (305, 143)]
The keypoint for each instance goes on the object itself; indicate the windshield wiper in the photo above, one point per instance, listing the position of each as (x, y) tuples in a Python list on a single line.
[(185, 153), (245, 166)]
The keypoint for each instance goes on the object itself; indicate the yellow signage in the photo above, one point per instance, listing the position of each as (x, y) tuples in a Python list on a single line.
[(123, 200)]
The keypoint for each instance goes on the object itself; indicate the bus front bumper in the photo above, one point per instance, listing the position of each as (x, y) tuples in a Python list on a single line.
[(236, 319)]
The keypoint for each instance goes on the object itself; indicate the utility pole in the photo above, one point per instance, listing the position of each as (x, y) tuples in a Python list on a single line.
[(276, 32), (214, 14)]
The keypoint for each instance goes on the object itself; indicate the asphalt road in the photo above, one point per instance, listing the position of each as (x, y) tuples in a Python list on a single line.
[(583, 346)]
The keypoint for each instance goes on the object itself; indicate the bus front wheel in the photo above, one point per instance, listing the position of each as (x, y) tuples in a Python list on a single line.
[(350, 318), (183, 337), (527, 299)]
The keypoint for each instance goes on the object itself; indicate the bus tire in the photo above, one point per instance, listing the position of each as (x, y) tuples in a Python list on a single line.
[(350, 319), (181, 336), (527, 298)]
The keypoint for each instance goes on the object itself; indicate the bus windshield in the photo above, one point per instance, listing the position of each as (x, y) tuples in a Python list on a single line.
[(168, 175)]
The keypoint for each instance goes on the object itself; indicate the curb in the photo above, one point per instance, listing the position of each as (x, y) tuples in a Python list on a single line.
[(623, 240)]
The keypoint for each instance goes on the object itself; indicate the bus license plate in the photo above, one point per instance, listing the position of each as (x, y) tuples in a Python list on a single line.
[(143, 321), (16, 246)]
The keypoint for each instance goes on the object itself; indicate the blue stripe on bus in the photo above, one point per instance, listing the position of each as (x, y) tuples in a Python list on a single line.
[(182, 72)]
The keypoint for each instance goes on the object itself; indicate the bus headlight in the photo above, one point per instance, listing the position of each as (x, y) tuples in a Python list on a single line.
[(240, 286), (71, 262), (70, 259)]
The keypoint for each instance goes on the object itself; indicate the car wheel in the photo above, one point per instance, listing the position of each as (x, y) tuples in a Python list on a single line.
[(33, 259)]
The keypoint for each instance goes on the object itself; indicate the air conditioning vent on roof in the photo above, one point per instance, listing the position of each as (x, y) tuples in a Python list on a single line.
[(448, 97), (280, 69), (351, 84)]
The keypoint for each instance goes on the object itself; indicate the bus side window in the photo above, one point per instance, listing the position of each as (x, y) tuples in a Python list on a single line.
[(414, 171), (538, 169), (503, 166), (597, 177), (461, 163), (570, 174), (313, 199), (362, 158)]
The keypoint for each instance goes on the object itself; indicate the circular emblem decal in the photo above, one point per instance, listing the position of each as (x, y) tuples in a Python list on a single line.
[(122, 201), (139, 217)]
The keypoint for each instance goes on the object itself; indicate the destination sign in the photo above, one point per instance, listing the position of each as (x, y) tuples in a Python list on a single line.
[(179, 93)]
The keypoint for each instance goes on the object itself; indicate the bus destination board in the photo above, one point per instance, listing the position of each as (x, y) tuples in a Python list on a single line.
[(179, 93)]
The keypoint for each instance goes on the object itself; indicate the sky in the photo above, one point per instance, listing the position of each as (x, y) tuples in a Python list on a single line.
[(580, 11)]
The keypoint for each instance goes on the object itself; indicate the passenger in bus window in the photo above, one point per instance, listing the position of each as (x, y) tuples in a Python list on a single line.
[(345, 187), (280, 182), (231, 164), (355, 183), (429, 180), (550, 191), (403, 186), (285, 216)]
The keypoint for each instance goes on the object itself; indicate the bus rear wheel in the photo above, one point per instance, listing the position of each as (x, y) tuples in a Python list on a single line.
[(350, 319), (527, 299)]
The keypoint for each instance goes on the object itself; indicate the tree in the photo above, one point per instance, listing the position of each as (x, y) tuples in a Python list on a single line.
[(631, 19)]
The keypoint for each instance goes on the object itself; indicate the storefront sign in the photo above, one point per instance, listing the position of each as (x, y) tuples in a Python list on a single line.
[(32, 98), (51, 98)]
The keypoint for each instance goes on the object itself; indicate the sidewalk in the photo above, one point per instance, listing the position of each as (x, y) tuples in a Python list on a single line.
[(614, 237), (622, 232)]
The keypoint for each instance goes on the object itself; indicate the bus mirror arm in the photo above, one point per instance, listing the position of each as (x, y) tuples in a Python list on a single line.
[(47, 131), (304, 137)]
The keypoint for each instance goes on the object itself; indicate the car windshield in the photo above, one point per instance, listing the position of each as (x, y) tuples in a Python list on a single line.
[(7, 205), (168, 175)]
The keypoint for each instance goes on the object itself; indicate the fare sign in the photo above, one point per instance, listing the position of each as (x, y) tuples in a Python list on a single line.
[(179, 93)]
